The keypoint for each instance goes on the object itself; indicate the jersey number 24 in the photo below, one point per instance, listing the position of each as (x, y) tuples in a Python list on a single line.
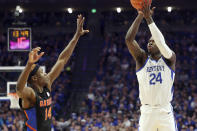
[(155, 78)]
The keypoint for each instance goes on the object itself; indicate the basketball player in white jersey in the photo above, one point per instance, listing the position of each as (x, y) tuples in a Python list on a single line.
[(155, 74)]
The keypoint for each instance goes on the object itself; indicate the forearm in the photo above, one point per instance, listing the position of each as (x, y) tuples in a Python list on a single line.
[(23, 77), (149, 20), (159, 39), (63, 58), (67, 52), (131, 34)]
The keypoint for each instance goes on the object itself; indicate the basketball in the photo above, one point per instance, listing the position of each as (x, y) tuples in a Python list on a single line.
[(137, 4)]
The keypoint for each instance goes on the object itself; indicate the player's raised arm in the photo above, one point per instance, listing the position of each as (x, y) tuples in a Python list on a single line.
[(21, 90), (131, 43), (156, 34), (67, 52)]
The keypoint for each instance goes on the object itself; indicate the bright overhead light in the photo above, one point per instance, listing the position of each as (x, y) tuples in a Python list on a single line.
[(169, 9), (118, 10), (19, 9), (70, 10)]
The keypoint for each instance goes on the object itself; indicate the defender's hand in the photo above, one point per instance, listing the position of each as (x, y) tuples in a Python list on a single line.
[(80, 21), (34, 56)]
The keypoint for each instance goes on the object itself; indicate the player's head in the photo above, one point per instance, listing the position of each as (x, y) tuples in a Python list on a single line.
[(37, 76), (152, 47)]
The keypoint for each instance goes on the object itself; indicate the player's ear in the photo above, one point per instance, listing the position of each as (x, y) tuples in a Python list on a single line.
[(34, 78)]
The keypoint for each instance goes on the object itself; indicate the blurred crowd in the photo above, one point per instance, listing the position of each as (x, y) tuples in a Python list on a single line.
[(112, 103)]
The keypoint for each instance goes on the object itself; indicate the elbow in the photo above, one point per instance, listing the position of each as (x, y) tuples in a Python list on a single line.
[(127, 40), (19, 91), (17, 88)]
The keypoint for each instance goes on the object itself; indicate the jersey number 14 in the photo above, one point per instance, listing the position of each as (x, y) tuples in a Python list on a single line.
[(48, 113), (155, 78)]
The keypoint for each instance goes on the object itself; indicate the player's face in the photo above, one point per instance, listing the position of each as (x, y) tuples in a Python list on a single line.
[(41, 76), (151, 46)]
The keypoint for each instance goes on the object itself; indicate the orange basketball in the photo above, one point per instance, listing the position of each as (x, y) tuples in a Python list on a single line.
[(137, 4)]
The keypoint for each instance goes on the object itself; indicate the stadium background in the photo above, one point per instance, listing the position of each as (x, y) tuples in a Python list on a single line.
[(98, 89)]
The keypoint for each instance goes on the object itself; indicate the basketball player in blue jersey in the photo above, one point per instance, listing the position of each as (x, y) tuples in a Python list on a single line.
[(155, 72), (36, 100)]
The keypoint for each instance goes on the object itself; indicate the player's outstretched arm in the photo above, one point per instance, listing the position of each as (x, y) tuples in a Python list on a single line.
[(156, 34), (21, 90), (131, 43), (67, 52)]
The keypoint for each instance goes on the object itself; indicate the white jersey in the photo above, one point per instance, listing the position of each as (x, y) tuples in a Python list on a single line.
[(155, 80)]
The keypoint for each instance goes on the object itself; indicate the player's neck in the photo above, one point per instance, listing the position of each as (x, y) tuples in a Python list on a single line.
[(155, 56), (38, 88)]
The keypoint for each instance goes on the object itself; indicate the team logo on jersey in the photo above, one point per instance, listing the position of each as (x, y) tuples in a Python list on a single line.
[(155, 68), (46, 102)]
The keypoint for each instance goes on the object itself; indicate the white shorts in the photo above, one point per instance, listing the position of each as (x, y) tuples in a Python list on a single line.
[(157, 118)]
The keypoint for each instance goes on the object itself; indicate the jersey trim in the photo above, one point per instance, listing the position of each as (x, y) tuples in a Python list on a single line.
[(167, 65), (30, 127), (172, 89), (33, 129), (172, 75), (142, 66)]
